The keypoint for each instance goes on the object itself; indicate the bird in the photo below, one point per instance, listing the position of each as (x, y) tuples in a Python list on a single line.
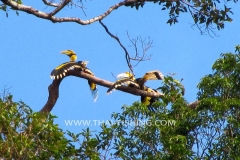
[(150, 75), (71, 54), (61, 70), (93, 86), (148, 101), (128, 79)]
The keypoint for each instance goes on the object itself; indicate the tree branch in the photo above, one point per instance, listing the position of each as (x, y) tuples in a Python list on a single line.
[(60, 7), (49, 16), (145, 47), (50, 3), (127, 56), (54, 90)]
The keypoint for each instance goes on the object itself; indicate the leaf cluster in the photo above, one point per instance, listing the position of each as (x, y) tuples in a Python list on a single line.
[(25, 134), (204, 12), (219, 95), (4, 7)]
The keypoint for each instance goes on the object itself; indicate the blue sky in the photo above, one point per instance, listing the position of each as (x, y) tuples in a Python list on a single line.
[(30, 49)]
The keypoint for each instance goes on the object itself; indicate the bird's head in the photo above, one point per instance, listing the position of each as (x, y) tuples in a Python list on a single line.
[(71, 54), (84, 63), (125, 75)]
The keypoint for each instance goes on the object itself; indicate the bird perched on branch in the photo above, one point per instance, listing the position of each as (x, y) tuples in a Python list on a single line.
[(128, 79), (148, 101), (93, 86), (71, 54), (60, 71)]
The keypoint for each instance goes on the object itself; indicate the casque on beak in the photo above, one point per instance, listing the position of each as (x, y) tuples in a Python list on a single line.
[(122, 75)]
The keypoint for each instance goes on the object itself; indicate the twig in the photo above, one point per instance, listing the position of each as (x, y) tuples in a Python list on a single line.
[(82, 8), (127, 56), (114, 76), (145, 47)]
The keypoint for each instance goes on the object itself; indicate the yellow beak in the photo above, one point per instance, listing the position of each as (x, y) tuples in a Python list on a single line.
[(64, 52)]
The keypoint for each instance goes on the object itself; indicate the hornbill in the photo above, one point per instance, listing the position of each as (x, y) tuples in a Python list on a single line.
[(71, 54), (148, 101), (60, 71), (128, 79), (151, 75)]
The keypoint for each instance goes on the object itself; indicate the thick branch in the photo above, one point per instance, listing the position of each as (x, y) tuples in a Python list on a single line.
[(49, 16), (54, 89)]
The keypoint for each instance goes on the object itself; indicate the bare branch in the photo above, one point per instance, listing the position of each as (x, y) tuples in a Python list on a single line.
[(76, 5), (127, 56), (134, 43), (49, 16), (136, 57), (54, 89), (50, 3), (145, 46), (60, 7)]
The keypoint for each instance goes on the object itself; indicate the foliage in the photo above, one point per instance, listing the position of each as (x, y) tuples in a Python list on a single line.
[(174, 131), (219, 93), (4, 7), (25, 134), (205, 13)]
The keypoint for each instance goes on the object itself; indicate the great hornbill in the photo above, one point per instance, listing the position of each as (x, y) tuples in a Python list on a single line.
[(61, 70), (148, 101), (128, 79), (71, 54)]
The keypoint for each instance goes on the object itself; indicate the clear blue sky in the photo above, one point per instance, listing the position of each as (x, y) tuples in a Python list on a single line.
[(30, 49)]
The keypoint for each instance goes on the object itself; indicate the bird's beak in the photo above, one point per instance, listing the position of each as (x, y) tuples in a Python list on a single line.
[(63, 52), (85, 63), (122, 75)]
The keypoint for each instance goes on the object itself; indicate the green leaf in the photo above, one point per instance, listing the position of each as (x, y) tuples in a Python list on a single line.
[(3, 7)]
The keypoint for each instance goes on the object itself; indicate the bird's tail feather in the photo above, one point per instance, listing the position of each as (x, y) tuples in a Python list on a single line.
[(94, 94)]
